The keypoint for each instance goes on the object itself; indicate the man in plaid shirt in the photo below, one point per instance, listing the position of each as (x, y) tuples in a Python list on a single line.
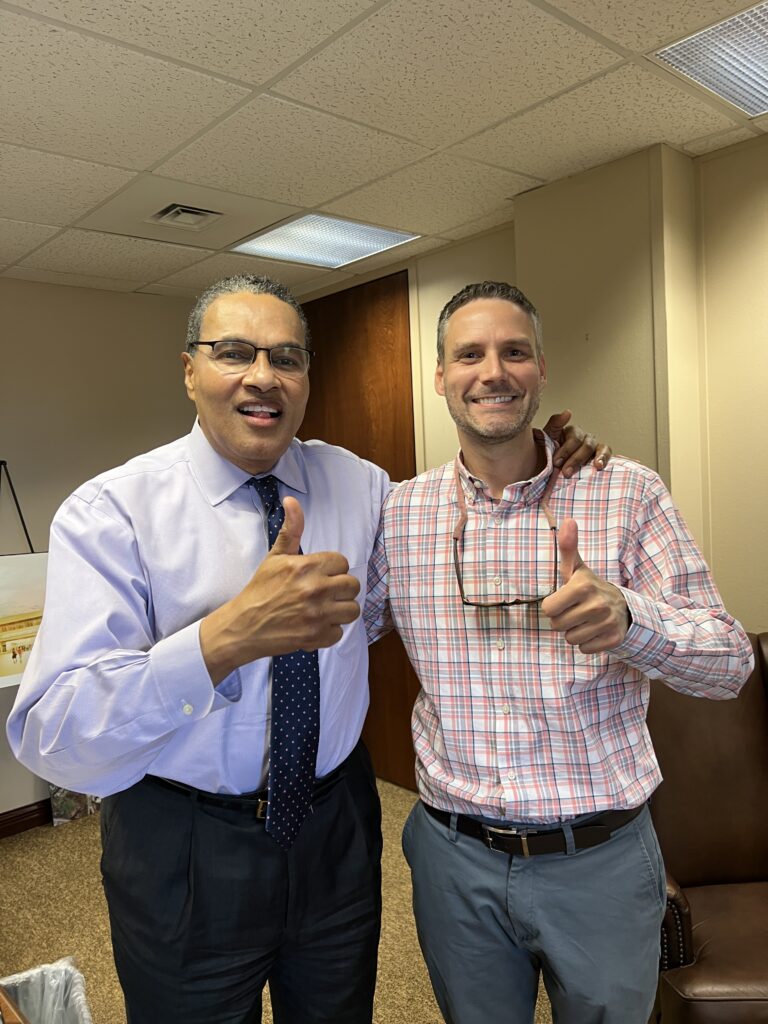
[(536, 609)]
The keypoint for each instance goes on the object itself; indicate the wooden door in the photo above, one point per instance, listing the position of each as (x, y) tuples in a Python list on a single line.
[(361, 399)]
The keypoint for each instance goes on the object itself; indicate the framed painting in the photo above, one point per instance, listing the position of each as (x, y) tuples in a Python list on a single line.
[(22, 590)]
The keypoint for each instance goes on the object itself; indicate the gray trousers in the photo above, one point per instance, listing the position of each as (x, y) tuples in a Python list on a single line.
[(488, 923)]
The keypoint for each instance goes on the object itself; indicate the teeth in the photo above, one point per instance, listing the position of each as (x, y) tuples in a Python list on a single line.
[(495, 399), (255, 407)]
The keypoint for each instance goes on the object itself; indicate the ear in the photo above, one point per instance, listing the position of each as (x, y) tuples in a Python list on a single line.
[(439, 382), (543, 370), (189, 375)]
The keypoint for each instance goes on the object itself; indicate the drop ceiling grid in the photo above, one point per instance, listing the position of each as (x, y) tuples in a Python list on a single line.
[(411, 199), (51, 189), (626, 110), (227, 264), (317, 157), (644, 25), (83, 97), (17, 238), (112, 284), (710, 143), (237, 39), (97, 254), (438, 71)]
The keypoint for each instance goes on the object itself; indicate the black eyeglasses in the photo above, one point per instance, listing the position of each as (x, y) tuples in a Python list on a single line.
[(458, 534), (236, 356)]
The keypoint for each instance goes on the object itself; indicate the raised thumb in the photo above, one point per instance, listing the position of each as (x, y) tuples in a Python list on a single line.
[(288, 540), (568, 545)]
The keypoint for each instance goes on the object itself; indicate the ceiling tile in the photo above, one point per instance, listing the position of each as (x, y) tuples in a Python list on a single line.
[(169, 289), (718, 141), (128, 212), (436, 71), (317, 157), (477, 227), (76, 280), (243, 40), (95, 100), (50, 189), (433, 195), (620, 113), (334, 277), (644, 25), (18, 237), (228, 264), (94, 254)]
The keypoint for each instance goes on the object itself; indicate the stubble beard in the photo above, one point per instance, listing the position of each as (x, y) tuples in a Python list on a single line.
[(498, 433)]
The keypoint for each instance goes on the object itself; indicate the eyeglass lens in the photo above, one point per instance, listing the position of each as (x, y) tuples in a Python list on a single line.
[(236, 356)]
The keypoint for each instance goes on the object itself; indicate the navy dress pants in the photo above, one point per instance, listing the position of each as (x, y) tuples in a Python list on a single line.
[(205, 908)]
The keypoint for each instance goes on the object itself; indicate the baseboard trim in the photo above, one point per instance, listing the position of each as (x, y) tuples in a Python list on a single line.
[(22, 818)]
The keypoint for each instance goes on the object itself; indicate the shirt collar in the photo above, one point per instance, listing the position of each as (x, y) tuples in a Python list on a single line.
[(219, 478), (527, 491)]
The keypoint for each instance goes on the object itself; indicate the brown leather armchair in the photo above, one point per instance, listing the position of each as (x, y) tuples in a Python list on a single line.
[(711, 816)]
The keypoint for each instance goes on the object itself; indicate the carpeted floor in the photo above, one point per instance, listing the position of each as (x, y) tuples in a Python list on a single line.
[(51, 906)]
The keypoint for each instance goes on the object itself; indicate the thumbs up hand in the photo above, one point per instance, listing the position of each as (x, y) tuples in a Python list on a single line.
[(288, 540), (292, 602), (590, 612)]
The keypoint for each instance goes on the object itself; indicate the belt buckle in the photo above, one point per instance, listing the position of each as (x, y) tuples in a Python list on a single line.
[(522, 834), (261, 808)]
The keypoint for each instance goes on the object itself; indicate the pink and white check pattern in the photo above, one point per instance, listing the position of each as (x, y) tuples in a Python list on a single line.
[(511, 720)]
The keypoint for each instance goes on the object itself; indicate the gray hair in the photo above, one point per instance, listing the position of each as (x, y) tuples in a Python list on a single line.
[(487, 290), (253, 283)]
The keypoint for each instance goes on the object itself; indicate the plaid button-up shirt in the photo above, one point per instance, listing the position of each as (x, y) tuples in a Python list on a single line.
[(511, 720)]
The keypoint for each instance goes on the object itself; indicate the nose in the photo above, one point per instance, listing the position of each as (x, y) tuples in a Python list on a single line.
[(260, 373), (492, 367)]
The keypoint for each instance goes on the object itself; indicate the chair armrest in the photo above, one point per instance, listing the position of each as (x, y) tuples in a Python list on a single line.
[(676, 932)]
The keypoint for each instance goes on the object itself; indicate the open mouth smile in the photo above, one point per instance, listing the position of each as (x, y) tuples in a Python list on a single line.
[(259, 410)]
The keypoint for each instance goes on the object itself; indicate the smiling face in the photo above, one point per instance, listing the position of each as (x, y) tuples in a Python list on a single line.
[(490, 374), (249, 418)]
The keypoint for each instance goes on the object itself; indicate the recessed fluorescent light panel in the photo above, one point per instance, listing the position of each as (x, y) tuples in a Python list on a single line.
[(322, 241), (731, 59)]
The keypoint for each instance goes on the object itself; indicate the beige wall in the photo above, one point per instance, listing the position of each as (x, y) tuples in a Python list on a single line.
[(734, 243), (681, 420), (434, 279), (583, 248), (87, 379)]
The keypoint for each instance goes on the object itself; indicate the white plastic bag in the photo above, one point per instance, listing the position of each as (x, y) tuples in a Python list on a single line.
[(50, 994)]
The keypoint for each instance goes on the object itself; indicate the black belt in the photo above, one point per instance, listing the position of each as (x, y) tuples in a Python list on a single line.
[(530, 841), (254, 803)]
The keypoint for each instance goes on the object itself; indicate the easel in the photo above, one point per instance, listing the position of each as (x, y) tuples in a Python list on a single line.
[(4, 466)]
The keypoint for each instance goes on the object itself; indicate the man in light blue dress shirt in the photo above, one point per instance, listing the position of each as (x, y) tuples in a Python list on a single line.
[(149, 685)]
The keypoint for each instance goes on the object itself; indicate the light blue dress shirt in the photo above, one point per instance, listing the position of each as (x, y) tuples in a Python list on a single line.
[(116, 686)]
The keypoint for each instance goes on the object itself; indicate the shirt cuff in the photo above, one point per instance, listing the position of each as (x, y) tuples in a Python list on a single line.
[(646, 643), (184, 685)]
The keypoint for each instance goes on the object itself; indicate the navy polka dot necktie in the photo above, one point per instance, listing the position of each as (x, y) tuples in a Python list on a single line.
[(295, 714)]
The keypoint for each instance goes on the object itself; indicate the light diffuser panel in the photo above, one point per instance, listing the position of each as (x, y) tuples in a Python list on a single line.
[(730, 59), (322, 241)]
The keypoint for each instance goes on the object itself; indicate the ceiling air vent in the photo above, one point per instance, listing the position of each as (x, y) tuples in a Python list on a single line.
[(191, 218)]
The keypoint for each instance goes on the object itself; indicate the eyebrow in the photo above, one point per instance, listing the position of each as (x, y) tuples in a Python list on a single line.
[(467, 346)]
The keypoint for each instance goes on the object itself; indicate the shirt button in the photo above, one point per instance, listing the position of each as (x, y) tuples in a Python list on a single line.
[(500, 643), (497, 520), (511, 776), (497, 581), (505, 709), (187, 708)]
